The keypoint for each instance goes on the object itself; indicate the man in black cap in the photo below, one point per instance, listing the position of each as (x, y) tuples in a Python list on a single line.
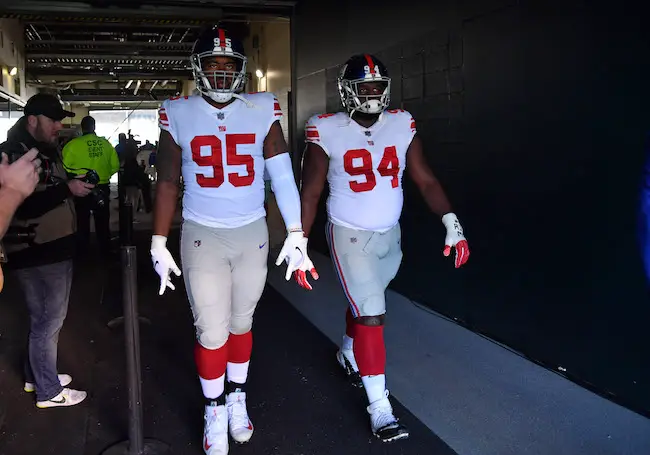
[(41, 256)]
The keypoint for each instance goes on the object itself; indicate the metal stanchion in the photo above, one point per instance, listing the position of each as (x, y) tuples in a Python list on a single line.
[(126, 240), (126, 223), (136, 444)]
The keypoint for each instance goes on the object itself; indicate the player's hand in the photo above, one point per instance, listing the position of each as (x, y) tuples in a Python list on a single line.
[(293, 252), (455, 238), (163, 263), (300, 275), (22, 175)]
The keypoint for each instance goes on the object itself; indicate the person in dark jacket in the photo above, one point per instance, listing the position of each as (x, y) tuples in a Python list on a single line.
[(41, 260)]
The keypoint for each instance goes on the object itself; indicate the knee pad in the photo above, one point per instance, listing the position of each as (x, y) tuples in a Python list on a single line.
[(240, 325), (212, 338), (372, 305)]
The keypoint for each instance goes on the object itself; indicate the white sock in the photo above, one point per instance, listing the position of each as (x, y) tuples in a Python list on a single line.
[(237, 372), (375, 387), (347, 343), (213, 388)]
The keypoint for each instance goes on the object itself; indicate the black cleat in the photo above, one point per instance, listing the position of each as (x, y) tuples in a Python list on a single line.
[(392, 432), (350, 370), (383, 423)]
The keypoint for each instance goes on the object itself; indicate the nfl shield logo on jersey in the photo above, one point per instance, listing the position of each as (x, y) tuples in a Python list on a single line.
[(197, 243), (221, 115)]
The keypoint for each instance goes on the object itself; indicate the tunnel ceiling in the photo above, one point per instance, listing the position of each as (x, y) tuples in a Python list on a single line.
[(88, 51)]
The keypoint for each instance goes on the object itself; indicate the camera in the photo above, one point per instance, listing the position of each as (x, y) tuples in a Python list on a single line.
[(45, 176), (17, 235), (96, 193)]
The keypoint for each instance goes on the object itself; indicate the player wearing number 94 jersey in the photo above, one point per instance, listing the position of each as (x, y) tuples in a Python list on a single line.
[(363, 154), (221, 141)]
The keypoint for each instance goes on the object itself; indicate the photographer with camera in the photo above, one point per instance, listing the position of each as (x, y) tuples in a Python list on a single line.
[(94, 156), (40, 244)]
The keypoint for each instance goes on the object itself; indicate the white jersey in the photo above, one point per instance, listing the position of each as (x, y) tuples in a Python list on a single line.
[(223, 159), (365, 167)]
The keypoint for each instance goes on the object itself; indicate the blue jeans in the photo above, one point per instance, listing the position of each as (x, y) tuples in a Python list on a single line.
[(47, 291)]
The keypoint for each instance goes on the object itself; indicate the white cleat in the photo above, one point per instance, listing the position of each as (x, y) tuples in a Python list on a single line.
[(64, 379), (67, 397), (215, 432), (346, 359), (383, 423), (240, 425)]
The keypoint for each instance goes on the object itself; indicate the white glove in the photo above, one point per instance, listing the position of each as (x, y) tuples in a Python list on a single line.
[(455, 238), (163, 262), (294, 252)]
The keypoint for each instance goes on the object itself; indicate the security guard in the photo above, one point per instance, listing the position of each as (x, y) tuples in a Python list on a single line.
[(95, 153)]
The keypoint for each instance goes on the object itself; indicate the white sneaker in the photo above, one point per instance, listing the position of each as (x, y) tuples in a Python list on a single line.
[(346, 359), (67, 397), (383, 423), (215, 432), (64, 379), (239, 424)]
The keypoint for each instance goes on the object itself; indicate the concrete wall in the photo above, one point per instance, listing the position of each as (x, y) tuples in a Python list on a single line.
[(12, 54), (273, 57), (80, 112), (533, 116), (268, 48)]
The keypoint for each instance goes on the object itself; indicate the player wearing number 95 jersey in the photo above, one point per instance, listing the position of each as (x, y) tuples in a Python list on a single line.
[(221, 141), (363, 154)]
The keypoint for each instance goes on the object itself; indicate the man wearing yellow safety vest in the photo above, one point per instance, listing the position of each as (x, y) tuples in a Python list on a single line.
[(82, 155)]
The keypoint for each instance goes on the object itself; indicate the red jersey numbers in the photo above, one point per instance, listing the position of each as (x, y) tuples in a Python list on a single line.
[(359, 162), (389, 165), (215, 160), (364, 169)]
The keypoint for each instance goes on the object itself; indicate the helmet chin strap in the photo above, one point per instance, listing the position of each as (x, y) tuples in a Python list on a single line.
[(225, 97), (249, 103)]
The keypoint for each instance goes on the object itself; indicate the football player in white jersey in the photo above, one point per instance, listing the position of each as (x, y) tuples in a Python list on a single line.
[(221, 142), (363, 154)]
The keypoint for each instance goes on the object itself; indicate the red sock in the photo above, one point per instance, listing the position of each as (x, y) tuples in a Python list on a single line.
[(240, 347), (369, 349), (350, 323), (239, 355), (211, 363)]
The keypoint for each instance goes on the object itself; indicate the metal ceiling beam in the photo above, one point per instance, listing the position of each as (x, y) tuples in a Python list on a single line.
[(87, 10), (107, 43), (113, 98), (94, 57), (247, 3), (126, 24), (120, 90), (57, 74), (143, 96)]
